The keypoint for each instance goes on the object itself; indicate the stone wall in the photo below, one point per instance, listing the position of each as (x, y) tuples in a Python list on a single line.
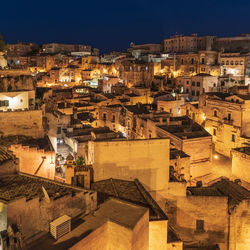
[(28, 123), (158, 231), (98, 239), (147, 160), (33, 216), (239, 227), (16, 82), (8, 167), (212, 210), (241, 165), (33, 159)]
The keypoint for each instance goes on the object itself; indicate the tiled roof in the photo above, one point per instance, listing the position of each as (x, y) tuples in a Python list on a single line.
[(23, 185), (5, 155), (235, 192), (132, 191)]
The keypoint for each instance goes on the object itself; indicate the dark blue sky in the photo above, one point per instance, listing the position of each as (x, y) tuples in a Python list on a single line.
[(112, 25)]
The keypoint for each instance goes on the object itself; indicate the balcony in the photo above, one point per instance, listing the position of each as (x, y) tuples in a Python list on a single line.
[(228, 122)]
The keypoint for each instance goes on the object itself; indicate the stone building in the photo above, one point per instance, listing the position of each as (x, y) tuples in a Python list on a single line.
[(217, 214), (161, 235), (36, 156), (147, 160), (198, 84), (116, 224), (136, 73), (234, 64), (66, 48), (227, 120), (30, 203), (232, 44), (182, 43), (241, 163), (17, 100), (192, 63), (171, 106), (27, 123), (191, 138), (80, 175)]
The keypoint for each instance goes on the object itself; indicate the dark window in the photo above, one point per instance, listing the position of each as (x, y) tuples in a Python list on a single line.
[(193, 83), (233, 138), (58, 130), (197, 93), (192, 61), (104, 117), (187, 82), (4, 103), (203, 60), (200, 225), (215, 113), (113, 118), (193, 93), (214, 132), (187, 90), (229, 117), (198, 84)]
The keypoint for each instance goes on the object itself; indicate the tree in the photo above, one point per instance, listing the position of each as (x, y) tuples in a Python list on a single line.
[(80, 161), (3, 45)]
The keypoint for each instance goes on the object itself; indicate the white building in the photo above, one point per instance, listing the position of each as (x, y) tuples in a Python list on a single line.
[(16, 100)]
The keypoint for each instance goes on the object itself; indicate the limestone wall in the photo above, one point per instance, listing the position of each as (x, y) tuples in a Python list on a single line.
[(98, 239), (147, 160), (158, 231), (239, 227), (27, 123), (33, 216), (140, 235), (241, 165), (212, 210), (30, 159)]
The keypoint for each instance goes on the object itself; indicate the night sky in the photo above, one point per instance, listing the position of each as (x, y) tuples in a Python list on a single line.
[(112, 25)]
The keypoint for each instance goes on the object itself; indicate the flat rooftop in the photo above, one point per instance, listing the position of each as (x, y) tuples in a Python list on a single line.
[(244, 150), (23, 185), (41, 143), (120, 212), (184, 128)]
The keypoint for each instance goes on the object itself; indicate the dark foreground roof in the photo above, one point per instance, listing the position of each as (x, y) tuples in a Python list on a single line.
[(132, 191), (235, 192), (22, 185)]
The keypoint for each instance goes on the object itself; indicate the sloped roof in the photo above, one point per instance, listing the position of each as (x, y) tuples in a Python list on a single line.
[(5, 155), (132, 191), (235, 192)]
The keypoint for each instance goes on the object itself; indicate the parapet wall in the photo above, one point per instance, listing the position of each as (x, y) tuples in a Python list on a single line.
[(28, 123)]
